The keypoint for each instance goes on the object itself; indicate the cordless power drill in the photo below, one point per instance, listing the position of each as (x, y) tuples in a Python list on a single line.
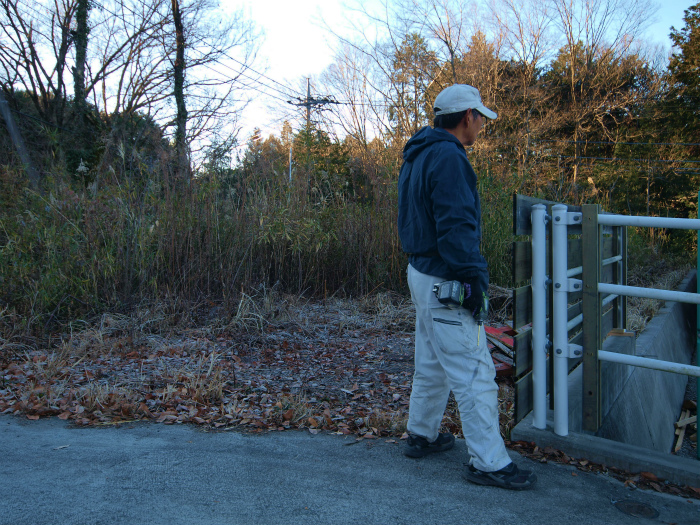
[(456, 294)]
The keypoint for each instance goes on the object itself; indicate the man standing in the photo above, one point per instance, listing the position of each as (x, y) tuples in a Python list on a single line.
[(440, 228)]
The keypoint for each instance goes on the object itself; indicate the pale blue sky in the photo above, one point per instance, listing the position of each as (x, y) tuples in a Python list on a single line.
[(296, 46), (670, 14)]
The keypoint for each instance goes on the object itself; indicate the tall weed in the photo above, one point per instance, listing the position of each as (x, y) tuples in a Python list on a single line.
[(143, 234)]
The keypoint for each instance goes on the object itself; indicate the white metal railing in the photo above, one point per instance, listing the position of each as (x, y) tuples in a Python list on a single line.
[(645, 362), (539, 315), (560, 304), (609, 219), (649, 293), (563, 284)]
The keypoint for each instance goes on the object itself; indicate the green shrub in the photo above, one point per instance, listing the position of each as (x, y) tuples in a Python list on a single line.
[(139, 234)]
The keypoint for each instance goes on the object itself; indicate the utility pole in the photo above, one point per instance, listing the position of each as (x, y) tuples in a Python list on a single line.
[(308, 105), (310, 102)]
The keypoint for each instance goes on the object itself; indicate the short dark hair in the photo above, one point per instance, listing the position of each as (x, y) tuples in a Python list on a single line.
[(449, 120)]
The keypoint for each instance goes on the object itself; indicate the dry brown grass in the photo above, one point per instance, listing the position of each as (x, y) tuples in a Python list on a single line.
[(291, 410), (10, 334), (660, 276), (258, 363)]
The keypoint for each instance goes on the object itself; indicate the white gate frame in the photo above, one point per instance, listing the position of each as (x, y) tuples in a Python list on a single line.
[(564, 283)]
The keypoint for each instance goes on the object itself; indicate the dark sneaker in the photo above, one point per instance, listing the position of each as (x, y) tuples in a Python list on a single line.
[(418, 446), (509, 477)]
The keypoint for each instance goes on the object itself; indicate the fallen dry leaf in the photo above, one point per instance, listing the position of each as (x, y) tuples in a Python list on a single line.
[(327, 367)]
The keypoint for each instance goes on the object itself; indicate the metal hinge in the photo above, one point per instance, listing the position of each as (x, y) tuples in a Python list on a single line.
[(569, 218), (571, 351), (570, 285)]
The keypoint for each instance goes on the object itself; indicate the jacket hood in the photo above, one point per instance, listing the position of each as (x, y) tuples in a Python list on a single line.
[(425, 137)]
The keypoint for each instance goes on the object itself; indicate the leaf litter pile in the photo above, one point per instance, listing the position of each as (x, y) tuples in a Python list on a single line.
[(272, 364), (342, 366)]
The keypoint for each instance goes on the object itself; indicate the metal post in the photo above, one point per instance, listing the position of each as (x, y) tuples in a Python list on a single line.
[(623, 275), (538, 218), (697, 330), (591, 317), (620, 276), (559, 319)]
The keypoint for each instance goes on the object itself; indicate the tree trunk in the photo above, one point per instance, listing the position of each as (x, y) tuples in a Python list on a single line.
[(81, 42), (179, 77)]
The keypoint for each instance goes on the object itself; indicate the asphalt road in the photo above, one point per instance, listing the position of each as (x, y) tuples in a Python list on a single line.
[(54, 474)]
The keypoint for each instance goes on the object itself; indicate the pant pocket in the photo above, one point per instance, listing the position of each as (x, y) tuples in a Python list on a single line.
[(453, 336)]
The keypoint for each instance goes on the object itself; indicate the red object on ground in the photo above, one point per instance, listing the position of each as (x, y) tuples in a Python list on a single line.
[(504, 334), (502, 369)]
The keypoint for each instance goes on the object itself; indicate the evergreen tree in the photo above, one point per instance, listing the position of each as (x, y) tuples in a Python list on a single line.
[(413, 69), (684, 68)]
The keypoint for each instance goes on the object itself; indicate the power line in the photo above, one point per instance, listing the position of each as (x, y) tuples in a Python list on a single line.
[(319, 102), (47, 18), (241, 73), (618, 159), (244, 75), (620, 143), (371, 104), (237, 61), (257, 83), (225, 54), (207, 66), (258, 73)]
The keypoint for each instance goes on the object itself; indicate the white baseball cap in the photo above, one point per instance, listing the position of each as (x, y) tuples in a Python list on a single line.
[(460, 97)]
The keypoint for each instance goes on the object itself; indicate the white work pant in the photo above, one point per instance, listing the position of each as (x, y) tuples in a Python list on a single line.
[(449, 358)]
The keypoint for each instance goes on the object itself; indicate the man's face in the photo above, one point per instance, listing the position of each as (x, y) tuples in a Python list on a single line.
[(475, 121)]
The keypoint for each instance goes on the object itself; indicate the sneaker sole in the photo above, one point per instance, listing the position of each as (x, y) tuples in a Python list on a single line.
[(422, 452), (489, 482)]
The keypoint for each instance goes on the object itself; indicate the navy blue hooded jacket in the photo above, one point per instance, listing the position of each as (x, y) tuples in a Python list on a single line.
[(439, 208)]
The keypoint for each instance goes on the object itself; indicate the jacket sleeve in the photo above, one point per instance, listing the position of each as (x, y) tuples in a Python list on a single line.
[(456, 211)]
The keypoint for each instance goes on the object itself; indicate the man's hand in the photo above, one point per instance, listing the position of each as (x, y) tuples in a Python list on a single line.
[(476, 298), (471, 295)]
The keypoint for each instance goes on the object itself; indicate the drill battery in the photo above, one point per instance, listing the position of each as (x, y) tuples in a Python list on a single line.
[(451, 294)]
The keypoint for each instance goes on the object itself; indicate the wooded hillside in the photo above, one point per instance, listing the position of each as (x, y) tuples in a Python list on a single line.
[(120, 181)]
